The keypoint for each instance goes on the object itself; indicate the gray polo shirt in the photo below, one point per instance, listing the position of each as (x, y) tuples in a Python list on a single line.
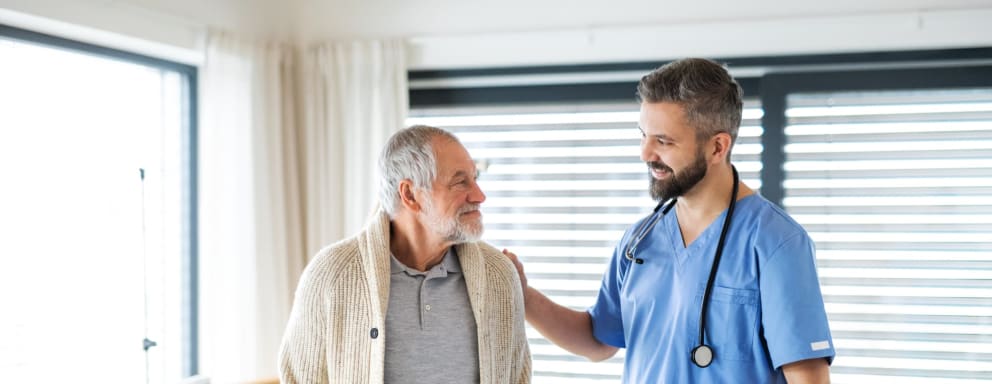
[(430, 329)]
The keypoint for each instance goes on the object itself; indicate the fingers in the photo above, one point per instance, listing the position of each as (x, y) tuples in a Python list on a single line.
[(512, 255), (520, 267), (516, 262)]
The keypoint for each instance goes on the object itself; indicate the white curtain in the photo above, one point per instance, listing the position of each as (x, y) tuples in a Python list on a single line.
[(251, 228), (355, 97)]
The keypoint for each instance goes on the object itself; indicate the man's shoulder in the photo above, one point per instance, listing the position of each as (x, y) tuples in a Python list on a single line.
[(774, 229), (768, 216), (333, 258), (497, 265), (494, 256)]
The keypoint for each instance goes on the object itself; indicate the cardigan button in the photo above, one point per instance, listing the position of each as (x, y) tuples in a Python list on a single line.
[(374, 333)]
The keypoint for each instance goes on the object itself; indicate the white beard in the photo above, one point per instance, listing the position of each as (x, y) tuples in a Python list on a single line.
[(452, 229)]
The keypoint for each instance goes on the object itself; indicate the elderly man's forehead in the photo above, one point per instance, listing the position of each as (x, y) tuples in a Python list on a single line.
[(453, 159)]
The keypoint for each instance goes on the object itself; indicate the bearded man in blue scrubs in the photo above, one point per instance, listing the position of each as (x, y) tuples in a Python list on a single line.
[(764, 319)]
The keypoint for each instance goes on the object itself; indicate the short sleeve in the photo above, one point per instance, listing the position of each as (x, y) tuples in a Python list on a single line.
[(606, 314), (793, 316)]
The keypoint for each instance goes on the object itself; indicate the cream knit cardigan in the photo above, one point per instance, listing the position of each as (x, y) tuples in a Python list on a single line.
[(342, 297)]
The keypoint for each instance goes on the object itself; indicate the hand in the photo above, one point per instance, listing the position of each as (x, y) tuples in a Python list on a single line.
[(520, 269)]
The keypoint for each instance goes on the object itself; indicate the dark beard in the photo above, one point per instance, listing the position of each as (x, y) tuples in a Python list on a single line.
[(678, 183)]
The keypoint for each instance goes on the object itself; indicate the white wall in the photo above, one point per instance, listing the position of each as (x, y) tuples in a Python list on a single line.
[(465, 33), (170, 29), (475, 33), (739, 38)]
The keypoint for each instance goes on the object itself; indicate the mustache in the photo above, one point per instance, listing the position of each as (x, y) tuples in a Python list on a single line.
[(468, 208), (657, 165)]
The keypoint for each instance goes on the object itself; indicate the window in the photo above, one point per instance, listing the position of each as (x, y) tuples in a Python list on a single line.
[(885, 158), (96, 157), (895, 187), (562, 185)]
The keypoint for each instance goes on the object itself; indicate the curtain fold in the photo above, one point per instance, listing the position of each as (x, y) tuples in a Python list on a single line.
[(288, 152), (355, 97), (251, 231)]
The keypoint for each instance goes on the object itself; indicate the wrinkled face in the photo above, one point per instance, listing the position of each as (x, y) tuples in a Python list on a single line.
[(452, 211), (676, 160)]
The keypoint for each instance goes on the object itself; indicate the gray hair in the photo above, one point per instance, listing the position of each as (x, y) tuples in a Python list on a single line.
[(710, 96), (408, 154)]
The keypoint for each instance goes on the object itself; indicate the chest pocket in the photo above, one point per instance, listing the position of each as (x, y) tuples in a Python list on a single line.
[(731, 322)]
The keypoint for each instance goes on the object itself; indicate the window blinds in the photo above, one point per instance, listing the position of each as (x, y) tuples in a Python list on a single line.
[(896, 190), (563, 183)]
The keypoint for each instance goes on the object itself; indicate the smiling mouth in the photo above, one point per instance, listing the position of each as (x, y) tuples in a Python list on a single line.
[(469, 210), (659, 173)]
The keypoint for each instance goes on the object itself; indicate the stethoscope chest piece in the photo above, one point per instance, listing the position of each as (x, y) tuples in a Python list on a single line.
[(702, 355)]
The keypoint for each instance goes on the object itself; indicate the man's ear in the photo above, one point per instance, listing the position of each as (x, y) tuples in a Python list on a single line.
[(721, 146), (407, 196)]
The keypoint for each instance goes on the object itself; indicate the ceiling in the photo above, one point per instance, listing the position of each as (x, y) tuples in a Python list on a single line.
[(321, 19)]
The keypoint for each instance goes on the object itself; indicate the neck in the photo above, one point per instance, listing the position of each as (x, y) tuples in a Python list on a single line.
[(711, 196), (415, 245)]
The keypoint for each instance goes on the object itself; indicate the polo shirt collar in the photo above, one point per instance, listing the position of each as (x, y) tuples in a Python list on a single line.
[(449, 263)]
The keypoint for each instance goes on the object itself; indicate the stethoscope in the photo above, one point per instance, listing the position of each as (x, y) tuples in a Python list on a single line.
[(702, 355)]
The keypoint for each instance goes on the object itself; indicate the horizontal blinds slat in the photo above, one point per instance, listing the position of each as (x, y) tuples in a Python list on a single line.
[(848, 377), (891, 210), (912, 291), (895, 189), (873, 281), (924, 264), (867, 173), (857, 254), (937, 132), (928, 191), (886, 98), (951, 154), (575, 149), (869, 108), (944, 320), (845, 125), (867, 218), (889, 182)]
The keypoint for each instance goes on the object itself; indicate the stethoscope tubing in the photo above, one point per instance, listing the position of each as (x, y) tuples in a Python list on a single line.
[(711, 279)]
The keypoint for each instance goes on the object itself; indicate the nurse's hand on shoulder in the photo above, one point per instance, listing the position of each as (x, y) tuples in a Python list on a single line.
[(520, 268)]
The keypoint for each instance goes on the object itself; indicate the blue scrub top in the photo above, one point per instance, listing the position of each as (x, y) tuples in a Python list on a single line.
[(765, 309)]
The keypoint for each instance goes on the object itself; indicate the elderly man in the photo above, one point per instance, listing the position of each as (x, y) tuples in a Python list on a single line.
[(414, 297)]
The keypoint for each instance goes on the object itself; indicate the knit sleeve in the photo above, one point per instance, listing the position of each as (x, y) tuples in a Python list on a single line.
[(521, 372), (523, 356), (302, 357), (522, 350)]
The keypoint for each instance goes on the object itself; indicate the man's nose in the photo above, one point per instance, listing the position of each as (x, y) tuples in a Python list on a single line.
[(648, 153), (476, 196)]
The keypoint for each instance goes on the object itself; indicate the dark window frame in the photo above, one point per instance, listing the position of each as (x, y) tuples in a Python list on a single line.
[(884, 70)]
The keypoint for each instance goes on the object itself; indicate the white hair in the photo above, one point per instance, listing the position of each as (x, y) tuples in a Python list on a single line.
[(408, 154)]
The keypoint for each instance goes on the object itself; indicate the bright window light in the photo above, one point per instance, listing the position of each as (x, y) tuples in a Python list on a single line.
[(867, 110), (894, 189), (93, 255)]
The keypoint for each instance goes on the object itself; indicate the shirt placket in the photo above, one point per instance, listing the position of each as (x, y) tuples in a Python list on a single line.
[(424, 302)]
